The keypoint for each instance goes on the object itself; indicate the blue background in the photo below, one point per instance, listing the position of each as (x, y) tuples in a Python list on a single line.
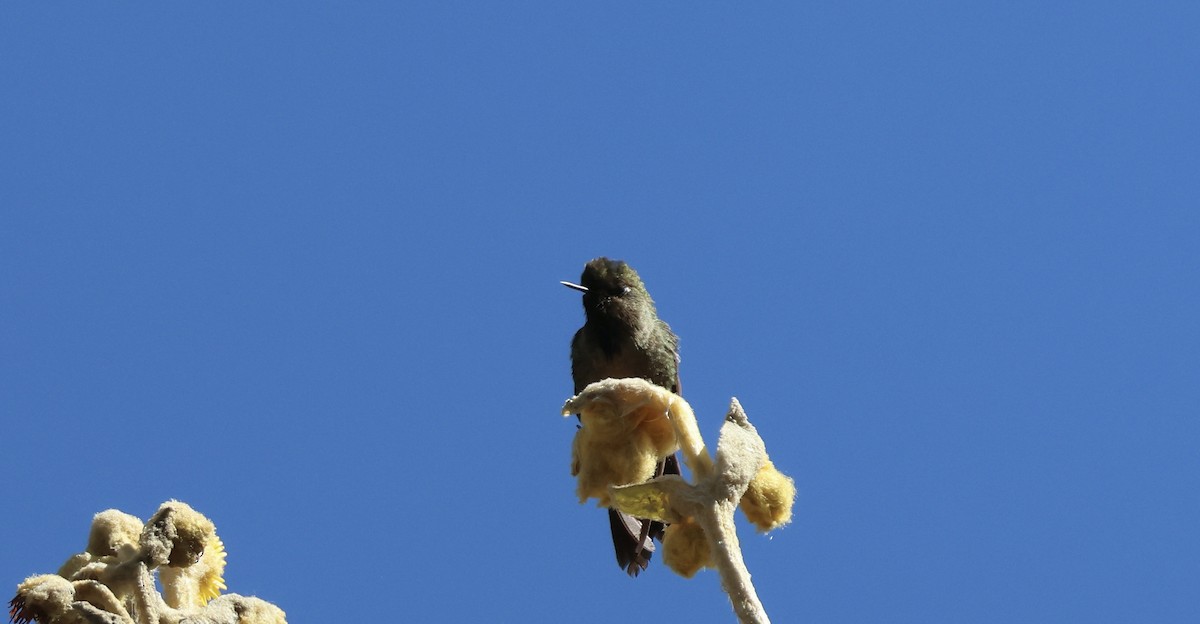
[(296, 265)]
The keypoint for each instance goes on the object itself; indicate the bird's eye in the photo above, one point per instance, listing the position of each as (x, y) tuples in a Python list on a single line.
[(624, 291)]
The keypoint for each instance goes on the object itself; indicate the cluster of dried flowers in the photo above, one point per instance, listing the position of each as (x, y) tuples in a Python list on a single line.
[(113, 581), (628, 426)]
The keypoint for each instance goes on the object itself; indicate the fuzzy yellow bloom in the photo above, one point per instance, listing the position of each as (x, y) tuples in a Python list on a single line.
[(768, 500), (625, 432), (212, 570), (686, 549)]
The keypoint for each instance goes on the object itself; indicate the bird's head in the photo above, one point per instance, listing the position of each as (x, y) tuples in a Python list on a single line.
[(612, 288)]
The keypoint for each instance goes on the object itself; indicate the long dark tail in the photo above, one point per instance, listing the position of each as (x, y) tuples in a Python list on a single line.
[(633, 538)]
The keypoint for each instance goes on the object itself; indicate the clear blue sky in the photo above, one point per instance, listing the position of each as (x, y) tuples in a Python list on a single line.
[(297, 265)]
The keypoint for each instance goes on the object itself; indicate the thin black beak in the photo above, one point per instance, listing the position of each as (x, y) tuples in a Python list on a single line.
[(575, 286)]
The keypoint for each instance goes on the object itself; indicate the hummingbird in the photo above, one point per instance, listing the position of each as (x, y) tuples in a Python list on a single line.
[(622, 336)]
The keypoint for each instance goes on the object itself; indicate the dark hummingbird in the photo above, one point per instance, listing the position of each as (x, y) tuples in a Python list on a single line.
[(622, 336)]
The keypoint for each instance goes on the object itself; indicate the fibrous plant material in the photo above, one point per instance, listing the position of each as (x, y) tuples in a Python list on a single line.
[(114, 535), (628, 416), (768, 500), (623, 435), (113, 580)]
